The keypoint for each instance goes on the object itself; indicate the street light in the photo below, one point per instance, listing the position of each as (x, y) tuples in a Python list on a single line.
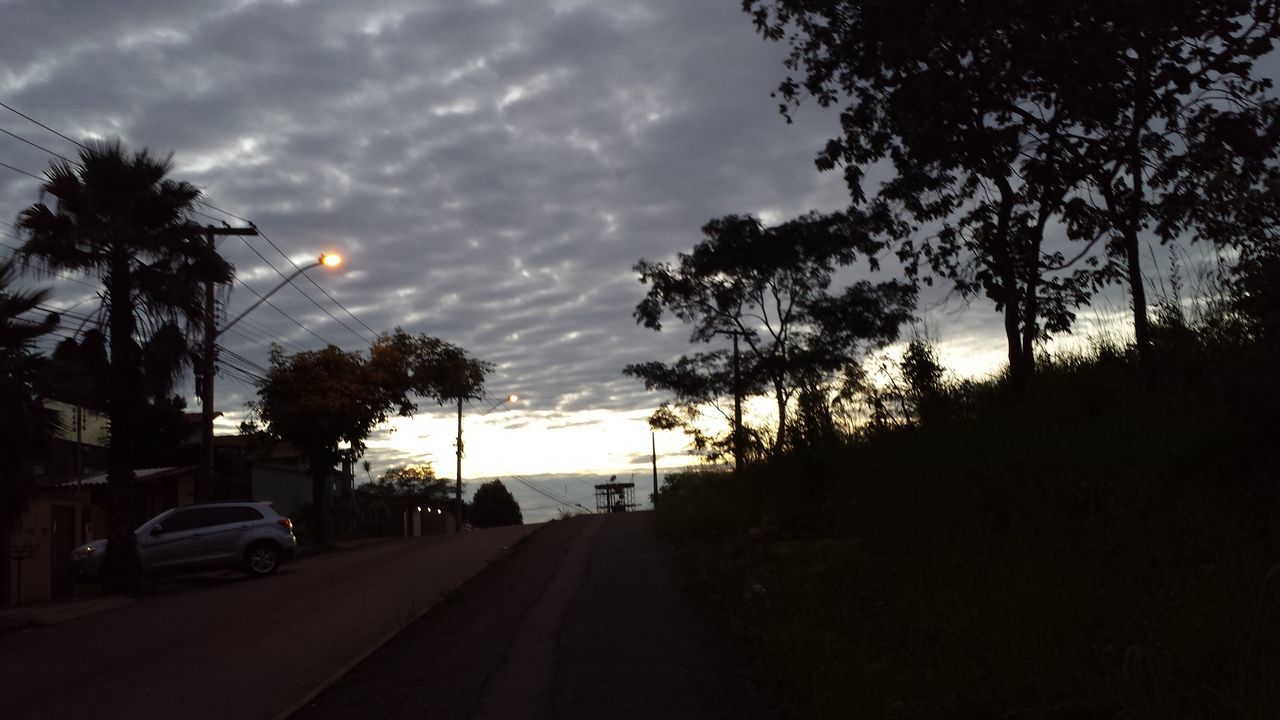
[(204, 480), (329, 260), (458, 487)]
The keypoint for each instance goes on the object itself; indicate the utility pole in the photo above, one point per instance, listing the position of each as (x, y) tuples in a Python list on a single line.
[(208, 366), (653, 441), (458, 485)]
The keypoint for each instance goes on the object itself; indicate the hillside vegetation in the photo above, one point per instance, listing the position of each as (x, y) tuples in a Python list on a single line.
[(1103, 544)]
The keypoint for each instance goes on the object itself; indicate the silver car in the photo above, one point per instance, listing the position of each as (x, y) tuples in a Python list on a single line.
[(247, 535)]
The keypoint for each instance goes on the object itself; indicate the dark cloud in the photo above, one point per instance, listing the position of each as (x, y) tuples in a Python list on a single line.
[(491, 170)]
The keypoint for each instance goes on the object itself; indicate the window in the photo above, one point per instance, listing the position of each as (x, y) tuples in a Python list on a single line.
[(229, 515)]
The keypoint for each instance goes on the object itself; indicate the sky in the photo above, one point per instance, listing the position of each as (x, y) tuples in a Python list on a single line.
[(490, 172)]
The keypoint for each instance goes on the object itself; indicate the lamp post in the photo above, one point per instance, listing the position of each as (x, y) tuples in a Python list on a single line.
[(458, 486), (204, 476)]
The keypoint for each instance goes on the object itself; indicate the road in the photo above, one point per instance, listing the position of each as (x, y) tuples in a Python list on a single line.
[(225, 646), (586, 621), (581, 619)]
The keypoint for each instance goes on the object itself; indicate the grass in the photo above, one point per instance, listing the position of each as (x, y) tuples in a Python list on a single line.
[(1107, 548)]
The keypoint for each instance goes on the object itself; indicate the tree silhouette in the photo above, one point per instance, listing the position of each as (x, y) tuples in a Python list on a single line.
[(494, 506), (1002, 117), (770, 286), (118, 216), (22, 423), (321, 400)]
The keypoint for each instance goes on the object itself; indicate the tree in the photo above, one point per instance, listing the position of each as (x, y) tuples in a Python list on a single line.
[(944, 91), (769, 286), (117, 215), (321, 400), (992, 135), (22, 423), (416, 483), (380, 503), (494, 506), (697, 382)]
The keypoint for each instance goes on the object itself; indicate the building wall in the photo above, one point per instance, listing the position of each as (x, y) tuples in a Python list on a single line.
[(41, 542), (288, 489)]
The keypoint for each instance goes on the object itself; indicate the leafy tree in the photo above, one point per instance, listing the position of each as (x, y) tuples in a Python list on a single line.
[(494, 506), (21, 421), (770, 286), (938, 90), (380, 502), (992, 135), (416, 482), (1180, 135), (118, 216), (321, 400), (697, 382)]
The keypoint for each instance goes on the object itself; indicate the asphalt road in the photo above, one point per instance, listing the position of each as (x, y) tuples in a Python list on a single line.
[(585, 620), (581, 618), (224, 646)]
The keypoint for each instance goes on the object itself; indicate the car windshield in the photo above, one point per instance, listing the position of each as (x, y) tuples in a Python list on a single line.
[(154, 519)]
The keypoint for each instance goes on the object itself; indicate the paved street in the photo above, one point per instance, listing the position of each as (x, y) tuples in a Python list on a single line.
[(224, 646), (585, 621), (581, 619)]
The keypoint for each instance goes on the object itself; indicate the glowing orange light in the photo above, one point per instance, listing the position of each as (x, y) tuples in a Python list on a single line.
[(330, 260), (512, 397)]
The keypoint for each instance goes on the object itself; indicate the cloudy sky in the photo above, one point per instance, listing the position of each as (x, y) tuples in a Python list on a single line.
[(490, 171)]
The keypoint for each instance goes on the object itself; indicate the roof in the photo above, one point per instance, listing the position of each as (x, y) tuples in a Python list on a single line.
[(142, 474)]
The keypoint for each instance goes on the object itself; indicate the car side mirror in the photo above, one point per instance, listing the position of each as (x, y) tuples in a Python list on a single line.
[(156, 530)]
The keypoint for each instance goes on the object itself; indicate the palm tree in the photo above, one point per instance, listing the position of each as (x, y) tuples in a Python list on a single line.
[(116, 215), (21, 423)]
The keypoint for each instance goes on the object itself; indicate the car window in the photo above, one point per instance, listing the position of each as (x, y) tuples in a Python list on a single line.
[(193, 518), (185, 520), (236, 514)]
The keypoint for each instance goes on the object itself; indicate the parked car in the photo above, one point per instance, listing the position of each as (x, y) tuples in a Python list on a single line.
[(246, 535)]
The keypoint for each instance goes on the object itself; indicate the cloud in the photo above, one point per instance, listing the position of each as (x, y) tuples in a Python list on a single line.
[(490, 170)]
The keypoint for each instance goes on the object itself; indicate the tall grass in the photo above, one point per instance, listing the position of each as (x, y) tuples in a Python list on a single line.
[(1106, 547)]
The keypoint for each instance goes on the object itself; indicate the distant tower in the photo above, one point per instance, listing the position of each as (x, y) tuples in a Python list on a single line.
[(615, 496)]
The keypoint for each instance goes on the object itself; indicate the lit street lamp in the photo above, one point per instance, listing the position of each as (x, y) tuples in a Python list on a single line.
[(204, 476), (329, 260)]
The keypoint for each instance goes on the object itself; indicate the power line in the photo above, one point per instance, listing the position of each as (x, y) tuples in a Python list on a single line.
[(295, 286), (46, 127), (268, 334), (240, 358), (282, 312), (549, 494), (7, 166), (313, 282), (257, 339), (211, 206), (38, 146)]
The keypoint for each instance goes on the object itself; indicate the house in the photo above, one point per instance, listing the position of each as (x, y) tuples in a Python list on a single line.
[(69, 505), (64, 512)]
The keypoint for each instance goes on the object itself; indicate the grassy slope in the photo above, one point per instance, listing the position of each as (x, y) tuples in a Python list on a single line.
[(1107, 550)]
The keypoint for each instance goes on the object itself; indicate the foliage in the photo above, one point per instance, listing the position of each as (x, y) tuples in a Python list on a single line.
[(769, 286), (1156, 122), (118, 216), (22, 423), (411, 482), (1106, 551), (493, 506), (327, 402)]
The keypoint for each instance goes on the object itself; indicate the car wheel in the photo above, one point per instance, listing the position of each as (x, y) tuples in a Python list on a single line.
[(261, 559)]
